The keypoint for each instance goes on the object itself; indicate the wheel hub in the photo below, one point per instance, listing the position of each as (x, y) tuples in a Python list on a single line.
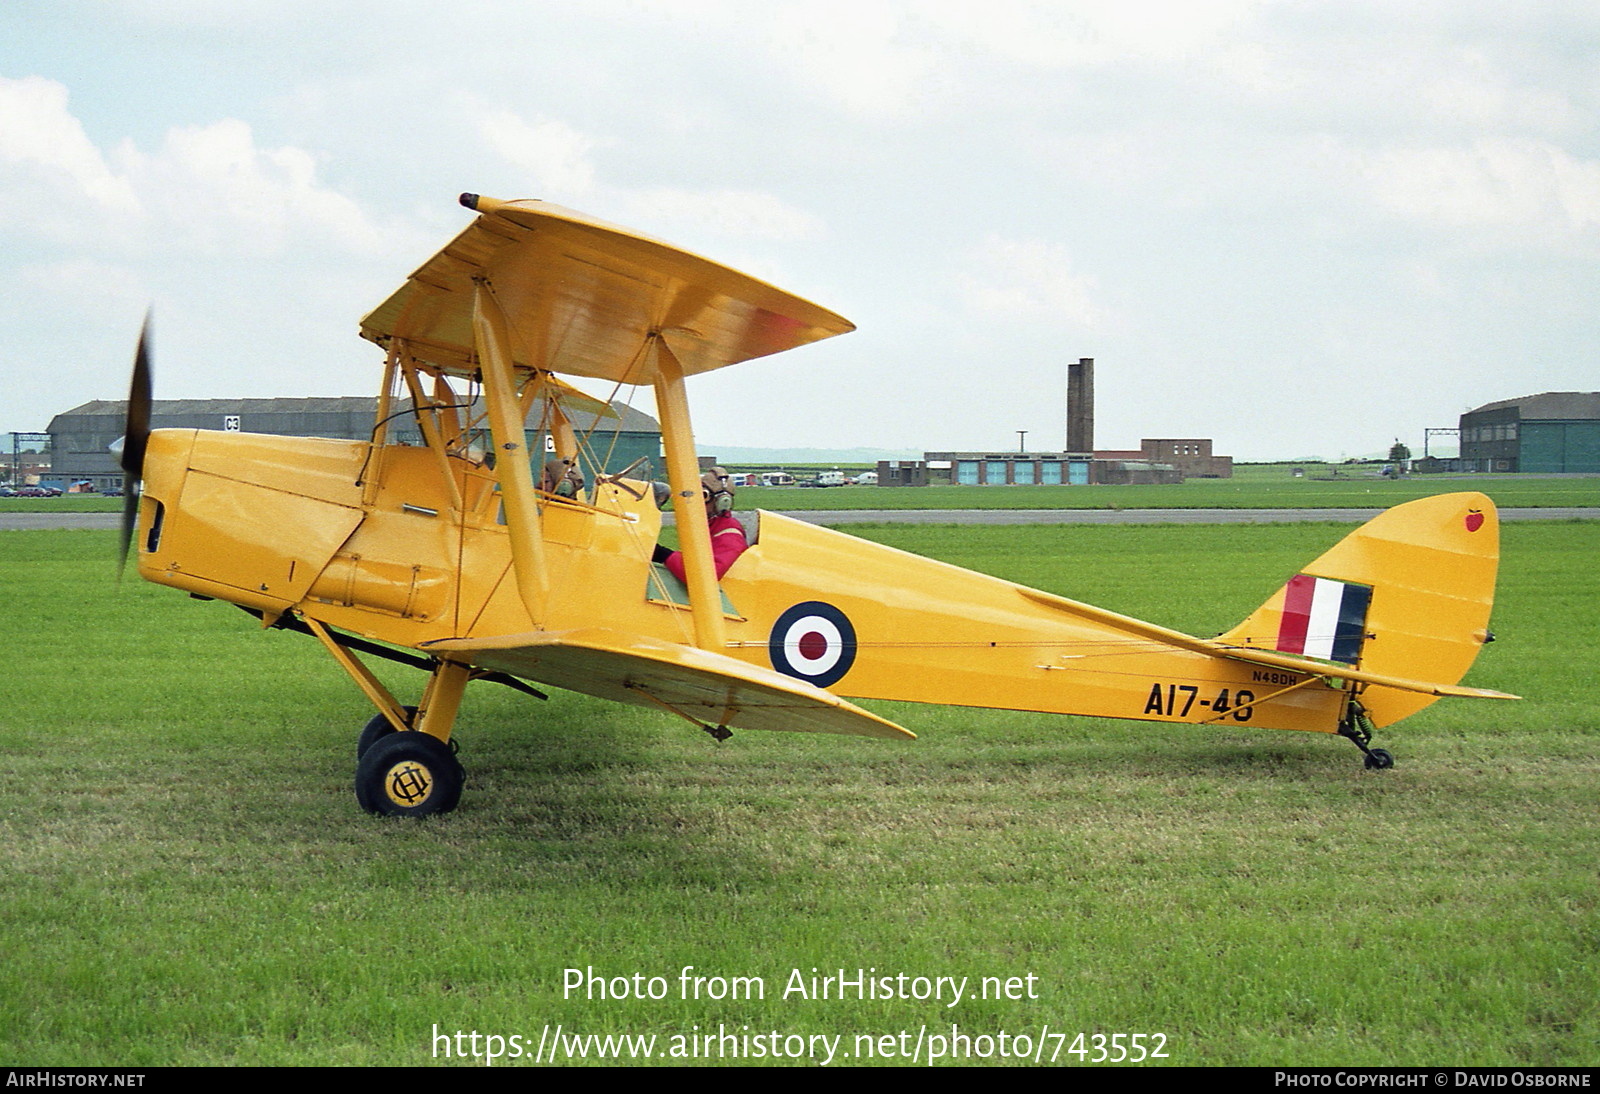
[(408, 784)]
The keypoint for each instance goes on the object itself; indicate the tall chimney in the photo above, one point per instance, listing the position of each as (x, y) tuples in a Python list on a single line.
[(1080, 406)]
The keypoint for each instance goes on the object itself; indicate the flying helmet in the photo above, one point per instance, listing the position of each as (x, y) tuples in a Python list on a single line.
[(717, 489), (561, 479)]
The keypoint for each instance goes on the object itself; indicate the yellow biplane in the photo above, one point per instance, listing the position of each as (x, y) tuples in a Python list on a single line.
[(458, 555)]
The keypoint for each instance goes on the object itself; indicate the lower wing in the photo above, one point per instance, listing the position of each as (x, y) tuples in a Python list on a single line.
[(707, 688)]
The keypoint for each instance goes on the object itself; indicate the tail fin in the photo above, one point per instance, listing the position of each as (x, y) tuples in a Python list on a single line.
[(1407, 594)]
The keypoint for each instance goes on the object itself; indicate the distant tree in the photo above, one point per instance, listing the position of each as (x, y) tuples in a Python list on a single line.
[(1399, 453)]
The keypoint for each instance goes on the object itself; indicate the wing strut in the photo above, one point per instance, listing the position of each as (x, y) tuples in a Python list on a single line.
[(683, 474), (492, 337), (428, 415)]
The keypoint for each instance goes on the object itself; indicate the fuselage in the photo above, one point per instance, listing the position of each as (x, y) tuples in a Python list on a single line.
[(370, 540)]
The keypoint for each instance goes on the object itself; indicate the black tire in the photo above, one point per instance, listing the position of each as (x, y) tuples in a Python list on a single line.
[(379, 727), (409, 775), (1379, 760)]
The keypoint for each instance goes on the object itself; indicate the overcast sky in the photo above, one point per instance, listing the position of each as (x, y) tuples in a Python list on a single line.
[(1300, 228)]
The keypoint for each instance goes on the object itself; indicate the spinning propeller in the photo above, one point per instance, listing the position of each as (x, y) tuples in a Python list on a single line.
[(135, 435)]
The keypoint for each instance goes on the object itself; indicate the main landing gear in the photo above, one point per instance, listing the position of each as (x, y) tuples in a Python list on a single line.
[(405, 762), (414, 772), (409, 775), (1358, 727)]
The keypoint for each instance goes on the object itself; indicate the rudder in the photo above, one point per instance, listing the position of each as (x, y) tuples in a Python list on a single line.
[(1408, 594)]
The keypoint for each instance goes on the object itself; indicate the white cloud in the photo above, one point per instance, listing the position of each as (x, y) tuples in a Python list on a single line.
[(110, 286), (869, 58), (1030, 280), (48, 165), (1473, 94), (558, 159), (743, 214), (1499, 183), (1089, 32), (208, 188), (213, 188), (554, 155)]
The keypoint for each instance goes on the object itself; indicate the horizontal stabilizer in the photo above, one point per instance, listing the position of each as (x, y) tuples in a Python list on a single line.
[(1266, 658), (703, 686), (1344, 672)]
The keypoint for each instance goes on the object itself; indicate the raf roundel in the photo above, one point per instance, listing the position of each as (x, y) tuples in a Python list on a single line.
[(814, 642)]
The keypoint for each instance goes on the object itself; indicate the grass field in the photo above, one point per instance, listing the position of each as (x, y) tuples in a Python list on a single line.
[(187, 879), (1252, 487), (68, 503)]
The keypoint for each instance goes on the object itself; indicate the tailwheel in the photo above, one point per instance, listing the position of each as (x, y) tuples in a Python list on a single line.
[(1378, 759), (1358, 727), (409, 774)]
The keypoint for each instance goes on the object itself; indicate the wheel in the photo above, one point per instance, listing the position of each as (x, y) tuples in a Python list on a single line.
[(379, 727), (408, 775), (1379, 760)]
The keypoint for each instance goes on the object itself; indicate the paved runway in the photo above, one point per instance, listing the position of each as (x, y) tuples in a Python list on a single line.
[(43, 520), (32, 522)]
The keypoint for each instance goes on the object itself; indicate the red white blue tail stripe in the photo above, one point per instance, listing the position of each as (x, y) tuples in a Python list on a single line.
[(1324, 618)]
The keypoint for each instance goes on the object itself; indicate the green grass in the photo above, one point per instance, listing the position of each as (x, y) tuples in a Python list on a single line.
[(1252, 488), (67, 503), (186, 879)]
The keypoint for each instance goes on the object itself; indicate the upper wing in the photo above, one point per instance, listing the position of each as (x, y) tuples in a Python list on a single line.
[(707, 687), (584, 297)]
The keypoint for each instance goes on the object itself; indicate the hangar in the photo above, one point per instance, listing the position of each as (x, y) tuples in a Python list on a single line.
[(81, 438), (1555, 432)]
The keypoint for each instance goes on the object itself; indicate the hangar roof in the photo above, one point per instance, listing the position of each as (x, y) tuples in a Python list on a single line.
[(633, 420), (1550, 406)]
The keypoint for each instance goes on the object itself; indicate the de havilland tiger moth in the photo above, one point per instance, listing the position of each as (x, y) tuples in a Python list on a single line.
[(463, 557)]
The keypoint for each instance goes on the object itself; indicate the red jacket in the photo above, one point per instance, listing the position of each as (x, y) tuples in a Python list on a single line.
[(727, 544)]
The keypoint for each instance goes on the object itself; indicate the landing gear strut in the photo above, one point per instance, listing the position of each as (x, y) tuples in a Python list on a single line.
[(1358, 727), (414, 772), (405, 760)]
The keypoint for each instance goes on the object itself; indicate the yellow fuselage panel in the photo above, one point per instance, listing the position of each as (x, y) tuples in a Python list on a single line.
[(414, 568), (930, 632), (398, 564), (302, 466), (208, 525)]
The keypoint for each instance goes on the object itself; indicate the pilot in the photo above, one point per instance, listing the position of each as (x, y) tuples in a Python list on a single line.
[(562, 479), (727, 534)]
